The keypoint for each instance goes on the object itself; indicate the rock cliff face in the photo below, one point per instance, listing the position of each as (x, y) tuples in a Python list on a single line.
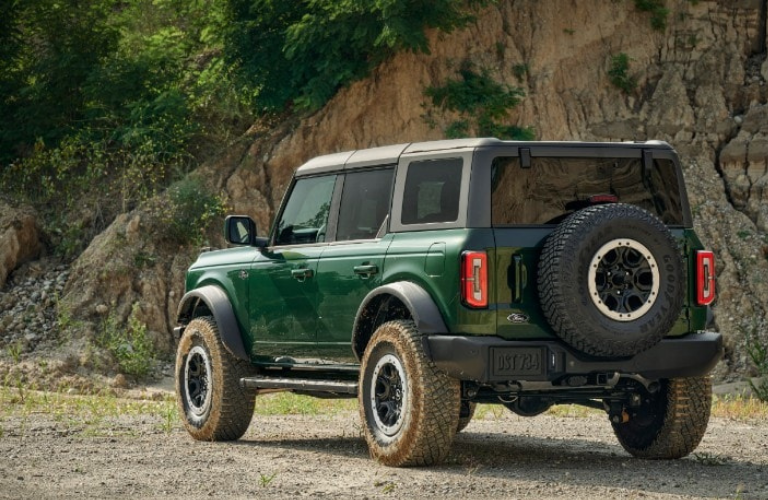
[(701, 87), (19, 238)]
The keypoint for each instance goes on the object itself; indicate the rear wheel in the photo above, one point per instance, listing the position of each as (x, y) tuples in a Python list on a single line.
[(211, 402), (669, 423), (410, 411)]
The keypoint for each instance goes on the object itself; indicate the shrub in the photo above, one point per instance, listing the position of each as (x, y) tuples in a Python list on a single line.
[(482, 104), (189, 212), (619, 73), (132, 349), (658, 11), (758, 353)]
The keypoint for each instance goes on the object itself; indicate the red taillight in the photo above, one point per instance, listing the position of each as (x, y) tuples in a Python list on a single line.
[(474, 279), (705, 277)]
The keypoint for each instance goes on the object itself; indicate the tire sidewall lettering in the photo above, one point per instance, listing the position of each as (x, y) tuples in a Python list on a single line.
[(572, 313)]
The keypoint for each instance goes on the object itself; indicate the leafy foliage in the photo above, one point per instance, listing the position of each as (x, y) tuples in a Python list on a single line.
[(105, 103), (659, 12), (758, 353), (619, 73), (131, 347), (190, 211), (300, 53), (55, 47), (481, 103)]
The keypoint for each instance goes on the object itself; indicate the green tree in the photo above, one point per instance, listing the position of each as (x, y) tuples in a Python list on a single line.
[(482, 104), (55, 48), (300, 53)]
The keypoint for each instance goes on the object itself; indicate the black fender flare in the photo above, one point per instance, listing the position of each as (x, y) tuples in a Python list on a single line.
[(419, 303), (218, 303)]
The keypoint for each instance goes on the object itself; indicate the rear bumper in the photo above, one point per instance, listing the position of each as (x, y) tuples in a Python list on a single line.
[(493, 359)]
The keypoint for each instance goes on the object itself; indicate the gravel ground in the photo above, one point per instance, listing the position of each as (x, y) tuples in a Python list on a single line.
[(500, 455)]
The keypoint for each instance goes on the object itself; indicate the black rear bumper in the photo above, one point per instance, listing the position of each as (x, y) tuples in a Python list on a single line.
[(493, 359)]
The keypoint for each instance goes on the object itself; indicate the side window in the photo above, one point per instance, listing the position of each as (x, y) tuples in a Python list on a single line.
[(432, 191), (305, 217), (364, 204)]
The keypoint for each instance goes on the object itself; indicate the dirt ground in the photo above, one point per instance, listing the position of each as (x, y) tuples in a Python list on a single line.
[(499, 455)]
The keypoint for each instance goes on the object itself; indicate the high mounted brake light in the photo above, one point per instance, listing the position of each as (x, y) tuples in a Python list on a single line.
[(603, 198), (474, 279), (705, 277)]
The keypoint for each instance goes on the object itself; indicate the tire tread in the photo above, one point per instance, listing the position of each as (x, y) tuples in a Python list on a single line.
[(682, 426), (232, 406)]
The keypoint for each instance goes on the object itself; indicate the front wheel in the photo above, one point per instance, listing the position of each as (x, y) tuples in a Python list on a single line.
[(212, 405), (669, 423), (410, 411)]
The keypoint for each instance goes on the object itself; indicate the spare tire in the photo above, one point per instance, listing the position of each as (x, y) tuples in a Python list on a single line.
[(611, 280)]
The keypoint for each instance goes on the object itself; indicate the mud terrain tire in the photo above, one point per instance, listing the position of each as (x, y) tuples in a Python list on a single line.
[(670, 423), (212, 405), (611, 280), (409, 410)]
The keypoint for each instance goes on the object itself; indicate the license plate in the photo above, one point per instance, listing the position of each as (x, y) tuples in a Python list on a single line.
[(517, 361)]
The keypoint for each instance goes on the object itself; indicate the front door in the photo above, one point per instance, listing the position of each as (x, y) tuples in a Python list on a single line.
[(283, 280)]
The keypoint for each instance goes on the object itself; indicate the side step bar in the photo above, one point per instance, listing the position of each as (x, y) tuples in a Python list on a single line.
[(302, 385)]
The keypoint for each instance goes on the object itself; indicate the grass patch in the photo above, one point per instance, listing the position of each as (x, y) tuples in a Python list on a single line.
[(89, 415), (739, 408), (288, 403), (103, 414), (709, 459)]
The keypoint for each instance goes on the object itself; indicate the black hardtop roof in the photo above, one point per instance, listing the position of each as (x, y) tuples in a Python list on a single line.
[(360, 158)]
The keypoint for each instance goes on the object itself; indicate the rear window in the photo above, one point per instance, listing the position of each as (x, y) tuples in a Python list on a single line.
[(553, 188)]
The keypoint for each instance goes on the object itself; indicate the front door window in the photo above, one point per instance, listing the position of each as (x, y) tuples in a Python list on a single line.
[(305, 218)]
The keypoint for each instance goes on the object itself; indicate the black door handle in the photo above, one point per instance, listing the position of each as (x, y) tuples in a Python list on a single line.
[(366, 270), (302, 273)]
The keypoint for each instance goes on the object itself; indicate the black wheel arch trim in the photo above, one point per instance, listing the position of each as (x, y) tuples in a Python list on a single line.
[(218, 303), (422, 307)]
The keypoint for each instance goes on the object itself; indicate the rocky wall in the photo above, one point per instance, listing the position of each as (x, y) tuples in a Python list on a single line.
[(701, 87)]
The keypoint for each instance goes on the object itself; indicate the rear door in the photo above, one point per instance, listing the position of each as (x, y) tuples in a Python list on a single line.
[(353, 264)]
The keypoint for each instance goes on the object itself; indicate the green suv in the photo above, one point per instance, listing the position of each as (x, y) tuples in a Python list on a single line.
[(425, 278)]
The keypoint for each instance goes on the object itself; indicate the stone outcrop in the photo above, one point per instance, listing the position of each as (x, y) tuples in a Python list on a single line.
[(19, 238), (701, 87), (744, 164)]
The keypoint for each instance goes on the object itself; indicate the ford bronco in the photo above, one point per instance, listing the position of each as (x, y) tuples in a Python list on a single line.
[(425, 278)]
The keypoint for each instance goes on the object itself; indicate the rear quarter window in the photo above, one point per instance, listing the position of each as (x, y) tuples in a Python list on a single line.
[(432, 191)]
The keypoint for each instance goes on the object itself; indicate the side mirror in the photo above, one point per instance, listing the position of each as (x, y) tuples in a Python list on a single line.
[(240, 230)]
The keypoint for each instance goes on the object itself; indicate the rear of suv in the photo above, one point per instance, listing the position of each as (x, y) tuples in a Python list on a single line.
[(426, 278)]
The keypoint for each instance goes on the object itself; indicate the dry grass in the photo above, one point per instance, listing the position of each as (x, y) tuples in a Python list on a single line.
[(739, 408), (99, 414)]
